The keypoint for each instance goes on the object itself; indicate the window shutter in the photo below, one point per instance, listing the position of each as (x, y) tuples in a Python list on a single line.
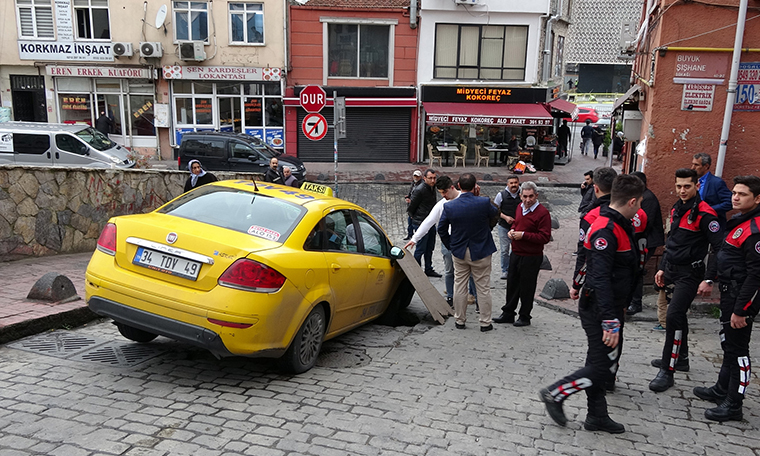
[(27, 23), (44, 22)]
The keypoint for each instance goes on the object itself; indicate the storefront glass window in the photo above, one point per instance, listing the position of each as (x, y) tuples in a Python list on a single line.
[(203, 112), (229, 114), (203, 87), (141, 120), (140, 86), (272, 89), (253, 112), (184, 110), (228, 88), (181, 86), (75, 108), (274, 112), (253, 88), (107, 85)]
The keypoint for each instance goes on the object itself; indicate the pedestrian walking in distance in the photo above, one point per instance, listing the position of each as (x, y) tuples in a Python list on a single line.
[(613, 267)]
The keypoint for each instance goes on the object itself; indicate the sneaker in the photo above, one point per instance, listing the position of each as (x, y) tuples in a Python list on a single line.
[(504, 276), (432, 273), (658, 327)]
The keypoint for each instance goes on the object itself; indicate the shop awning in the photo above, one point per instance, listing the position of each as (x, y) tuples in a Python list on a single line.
[(619, 102), (564, 106), (498, 114)]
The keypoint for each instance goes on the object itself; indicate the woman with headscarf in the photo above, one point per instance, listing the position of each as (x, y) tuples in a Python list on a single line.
[(198, 176)]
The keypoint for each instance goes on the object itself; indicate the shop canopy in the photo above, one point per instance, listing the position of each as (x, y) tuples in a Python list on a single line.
[(563, 108), (497, 114)]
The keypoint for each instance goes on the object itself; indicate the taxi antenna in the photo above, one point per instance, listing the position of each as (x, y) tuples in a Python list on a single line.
[(255, 187)]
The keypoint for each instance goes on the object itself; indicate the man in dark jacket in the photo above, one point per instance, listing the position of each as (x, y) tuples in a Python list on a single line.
[(612, 269), (587, 191), (654, 236), (739, 277), (471, 247), (597, 138), (104, 123), (416, 180), (420, 204), (587, 135), (694, 228), (712, 189), (563, 136), (273, 174)]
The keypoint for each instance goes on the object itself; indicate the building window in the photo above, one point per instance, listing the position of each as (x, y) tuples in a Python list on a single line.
[(358, 50), (35, 18), (191, 21), (246, 23), (486, 52), (92, 19)]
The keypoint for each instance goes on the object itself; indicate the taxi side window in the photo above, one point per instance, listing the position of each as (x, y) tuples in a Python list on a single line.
[(375, 242), (330, 234)]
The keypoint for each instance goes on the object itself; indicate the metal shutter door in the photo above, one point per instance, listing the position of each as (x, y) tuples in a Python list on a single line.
[(374, 135)]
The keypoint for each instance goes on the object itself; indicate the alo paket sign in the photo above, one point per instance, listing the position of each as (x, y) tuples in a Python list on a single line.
[(99, 72), (62, 50), (487, 120)]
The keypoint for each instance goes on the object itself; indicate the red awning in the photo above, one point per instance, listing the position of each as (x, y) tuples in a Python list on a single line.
[(565, 106), (505, 114)]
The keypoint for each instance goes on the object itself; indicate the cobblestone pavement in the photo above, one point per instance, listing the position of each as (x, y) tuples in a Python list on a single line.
[(428, 389)]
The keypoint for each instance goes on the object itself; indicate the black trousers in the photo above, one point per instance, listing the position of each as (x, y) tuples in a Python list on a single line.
[(735, 371), (601, 361), (685, 280), (521, 284)]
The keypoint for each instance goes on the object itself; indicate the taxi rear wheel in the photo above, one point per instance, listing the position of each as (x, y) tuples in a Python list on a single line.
[(137, 335), (304, 350)]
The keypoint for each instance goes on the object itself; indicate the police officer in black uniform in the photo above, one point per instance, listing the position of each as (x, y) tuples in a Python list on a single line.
[(612, 271), (739, 278), (693, 228), (603, 177)]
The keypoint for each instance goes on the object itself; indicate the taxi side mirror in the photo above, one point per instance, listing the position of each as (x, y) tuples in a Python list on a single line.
[(397, 253)]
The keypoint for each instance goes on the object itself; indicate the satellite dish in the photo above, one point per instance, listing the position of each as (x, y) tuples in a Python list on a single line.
[(161, 16)]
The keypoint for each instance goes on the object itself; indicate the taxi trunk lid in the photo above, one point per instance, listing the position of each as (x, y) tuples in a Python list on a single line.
[(179, 251)]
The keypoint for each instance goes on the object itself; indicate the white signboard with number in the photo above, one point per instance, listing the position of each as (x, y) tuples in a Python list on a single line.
[(748, 88)]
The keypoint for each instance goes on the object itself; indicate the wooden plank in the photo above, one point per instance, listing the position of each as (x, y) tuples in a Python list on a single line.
[(432, 299)]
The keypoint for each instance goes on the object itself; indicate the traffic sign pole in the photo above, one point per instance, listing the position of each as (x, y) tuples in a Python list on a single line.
[(335, 142)]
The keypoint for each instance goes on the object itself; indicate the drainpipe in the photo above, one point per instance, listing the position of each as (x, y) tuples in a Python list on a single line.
[(546, 71), (732, 83), (413, 14)]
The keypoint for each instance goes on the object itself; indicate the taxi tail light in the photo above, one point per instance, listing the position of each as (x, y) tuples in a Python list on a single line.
[(249, 275), (107, 239), (229, 324)]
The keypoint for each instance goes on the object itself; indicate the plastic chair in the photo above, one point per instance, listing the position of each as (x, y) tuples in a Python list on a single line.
[(478, 157), (433, 155), (460, 155)]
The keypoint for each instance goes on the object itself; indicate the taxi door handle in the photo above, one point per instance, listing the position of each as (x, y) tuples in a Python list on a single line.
[(370, 267), (335, 267)]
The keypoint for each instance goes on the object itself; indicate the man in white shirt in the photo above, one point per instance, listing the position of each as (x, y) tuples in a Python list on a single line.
[(446, 188)]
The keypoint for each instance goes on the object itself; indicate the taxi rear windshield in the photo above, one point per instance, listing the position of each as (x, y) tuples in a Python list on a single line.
[(258, 215)]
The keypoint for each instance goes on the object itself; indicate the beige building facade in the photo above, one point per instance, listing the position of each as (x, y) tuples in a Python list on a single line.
[(156, 69)]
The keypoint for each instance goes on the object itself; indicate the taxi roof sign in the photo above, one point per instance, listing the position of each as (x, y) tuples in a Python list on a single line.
[(317, 188)]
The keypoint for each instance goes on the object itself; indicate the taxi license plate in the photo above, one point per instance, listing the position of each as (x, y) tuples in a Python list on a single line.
[(166, 263)]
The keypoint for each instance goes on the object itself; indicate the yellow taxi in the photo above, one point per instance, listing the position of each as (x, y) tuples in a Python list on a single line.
[(246, 268)]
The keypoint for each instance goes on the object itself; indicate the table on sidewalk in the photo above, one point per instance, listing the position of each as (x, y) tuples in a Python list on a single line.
[(495, 150), (446, 149)]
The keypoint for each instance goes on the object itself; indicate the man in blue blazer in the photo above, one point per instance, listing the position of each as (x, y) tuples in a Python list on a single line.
[(471, 244), (712, 189)]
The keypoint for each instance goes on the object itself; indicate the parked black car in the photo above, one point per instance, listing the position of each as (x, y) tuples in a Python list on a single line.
[(219, 151)]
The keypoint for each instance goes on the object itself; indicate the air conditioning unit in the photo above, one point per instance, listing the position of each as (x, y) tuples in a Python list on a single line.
[(467, 2), (151, 49), (122, 49), (192, 50)]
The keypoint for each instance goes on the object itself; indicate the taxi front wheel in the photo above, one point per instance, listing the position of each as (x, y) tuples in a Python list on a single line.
[(304, 350)]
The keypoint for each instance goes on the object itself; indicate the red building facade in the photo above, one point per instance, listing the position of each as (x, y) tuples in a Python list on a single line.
[(365, 51), (682, 67)]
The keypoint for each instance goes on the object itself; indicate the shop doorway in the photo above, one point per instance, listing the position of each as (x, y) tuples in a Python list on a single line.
[(230, 116), (28, 98), (112, 105)]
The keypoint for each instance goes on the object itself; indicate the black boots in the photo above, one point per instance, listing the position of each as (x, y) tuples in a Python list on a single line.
[(605, 423), (728, 410), (662, 382), (682, 365), (554, 409), (633, 309), (714, 393)]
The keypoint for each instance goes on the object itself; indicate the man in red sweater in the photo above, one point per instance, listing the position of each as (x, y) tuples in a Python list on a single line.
[(530, 231)]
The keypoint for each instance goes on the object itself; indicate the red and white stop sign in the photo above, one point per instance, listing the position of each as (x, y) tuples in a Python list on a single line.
[(313, 98)]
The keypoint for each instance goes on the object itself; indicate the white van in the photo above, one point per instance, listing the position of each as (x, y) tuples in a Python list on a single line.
[(46, 144)]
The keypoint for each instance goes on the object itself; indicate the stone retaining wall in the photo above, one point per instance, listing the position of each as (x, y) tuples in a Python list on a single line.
[(46, 211)]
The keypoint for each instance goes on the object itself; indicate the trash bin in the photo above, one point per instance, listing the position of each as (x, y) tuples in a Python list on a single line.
[(543, 158)]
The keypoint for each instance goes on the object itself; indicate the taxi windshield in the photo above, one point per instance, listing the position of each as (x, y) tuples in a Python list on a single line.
[(96, 139), (247, 212)]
